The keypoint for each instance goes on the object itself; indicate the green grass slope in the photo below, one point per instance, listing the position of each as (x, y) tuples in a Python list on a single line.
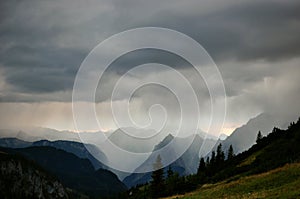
[(283, 182)]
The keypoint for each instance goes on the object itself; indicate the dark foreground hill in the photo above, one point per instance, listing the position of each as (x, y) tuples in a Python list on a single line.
[(275, 150), (21, 178), (74, 172)]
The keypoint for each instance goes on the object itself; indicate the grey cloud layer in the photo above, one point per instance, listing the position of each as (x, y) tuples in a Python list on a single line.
[(43, 42), (245, 31)]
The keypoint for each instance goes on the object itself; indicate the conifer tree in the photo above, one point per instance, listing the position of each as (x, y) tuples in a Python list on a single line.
[(202, 166), (157, 184), (213, 158), (170, 172), (207, 161), (259, 137), (230, 153), (220, 155)]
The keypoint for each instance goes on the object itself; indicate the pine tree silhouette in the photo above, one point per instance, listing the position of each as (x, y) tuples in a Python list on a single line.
[(230, 153), (259, 137), (157, 185)]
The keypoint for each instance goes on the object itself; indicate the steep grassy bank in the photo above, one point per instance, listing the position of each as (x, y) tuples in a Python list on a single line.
[(283, 182)]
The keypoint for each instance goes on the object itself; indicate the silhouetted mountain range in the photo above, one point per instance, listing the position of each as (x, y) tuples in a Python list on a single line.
[(74, 172), (76, 148), (14, 143), (186, 164), (69, 164), (241, 139)]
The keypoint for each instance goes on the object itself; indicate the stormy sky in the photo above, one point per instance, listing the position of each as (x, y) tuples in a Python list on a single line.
[(255, 45)]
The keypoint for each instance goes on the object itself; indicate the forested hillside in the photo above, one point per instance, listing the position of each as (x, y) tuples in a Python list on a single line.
[(279, 148)]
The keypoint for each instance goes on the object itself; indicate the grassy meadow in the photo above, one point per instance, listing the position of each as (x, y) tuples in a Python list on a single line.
[(283, 182)]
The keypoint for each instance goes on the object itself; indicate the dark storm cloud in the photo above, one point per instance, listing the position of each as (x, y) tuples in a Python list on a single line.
[(255, 44), (271, 30), (244, 31), (138, 57), (135, 58), (43, 43), (28, 71)]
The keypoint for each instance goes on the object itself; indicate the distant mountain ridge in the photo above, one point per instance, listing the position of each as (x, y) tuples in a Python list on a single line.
[(32, 134), (79, 149), (14, 143), (76, 148), (186, 164), (38, 135)]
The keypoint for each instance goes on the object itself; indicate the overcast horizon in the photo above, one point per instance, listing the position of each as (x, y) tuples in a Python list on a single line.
[(255, 45)]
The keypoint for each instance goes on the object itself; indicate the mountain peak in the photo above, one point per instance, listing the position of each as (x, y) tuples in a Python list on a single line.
[(164, 142)]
